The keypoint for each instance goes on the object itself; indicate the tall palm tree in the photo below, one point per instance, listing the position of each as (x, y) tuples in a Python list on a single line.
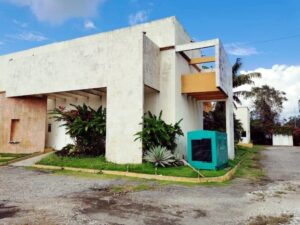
[(241, 79)]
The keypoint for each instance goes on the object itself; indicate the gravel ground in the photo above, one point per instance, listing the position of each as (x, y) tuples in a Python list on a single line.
[(38, 197)]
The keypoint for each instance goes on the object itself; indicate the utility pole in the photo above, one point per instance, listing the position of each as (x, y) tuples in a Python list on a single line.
[(296, 117)]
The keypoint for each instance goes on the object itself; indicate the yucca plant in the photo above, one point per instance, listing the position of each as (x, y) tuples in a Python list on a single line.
[(160, 156), (156, 132)]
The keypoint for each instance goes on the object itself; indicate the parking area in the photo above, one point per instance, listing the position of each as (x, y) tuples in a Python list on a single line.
[(41, 197)]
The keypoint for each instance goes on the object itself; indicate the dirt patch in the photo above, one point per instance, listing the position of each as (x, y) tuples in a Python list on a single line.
[(271, 220), (7, 211), (161, 221), (42, 172), (200, 213), (104, 200), (121, 205)]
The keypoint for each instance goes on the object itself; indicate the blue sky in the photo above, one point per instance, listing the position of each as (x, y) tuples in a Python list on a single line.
[(264, 33), (243, 26)]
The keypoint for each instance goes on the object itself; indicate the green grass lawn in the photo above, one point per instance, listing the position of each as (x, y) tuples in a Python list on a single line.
[(6, 157), (251, 166), (100, 163)]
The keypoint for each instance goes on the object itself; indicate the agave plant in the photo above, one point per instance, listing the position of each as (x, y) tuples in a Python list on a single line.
[(178, 158), (160, 156)]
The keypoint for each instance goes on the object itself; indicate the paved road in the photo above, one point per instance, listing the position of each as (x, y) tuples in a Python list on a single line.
[(37, 197)]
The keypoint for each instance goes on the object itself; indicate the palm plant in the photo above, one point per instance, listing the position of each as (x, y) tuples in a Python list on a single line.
[(241, 79), (215, 119), (156, 132)]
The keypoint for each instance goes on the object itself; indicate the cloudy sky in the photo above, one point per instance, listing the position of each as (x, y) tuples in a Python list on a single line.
[(264, 33)]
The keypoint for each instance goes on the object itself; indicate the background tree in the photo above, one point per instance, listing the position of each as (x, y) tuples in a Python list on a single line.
[(215, 119), (267, 106), (294, 122), (241, 79)]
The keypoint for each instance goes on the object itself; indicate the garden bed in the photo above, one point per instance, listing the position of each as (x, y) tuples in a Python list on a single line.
[(99, 163)]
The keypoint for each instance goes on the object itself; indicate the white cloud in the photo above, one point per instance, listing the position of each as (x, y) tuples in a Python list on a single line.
[(139, 17), (58, 11), (20, 24), (281, 77), (240, 49), (89, 25), (29, 36)]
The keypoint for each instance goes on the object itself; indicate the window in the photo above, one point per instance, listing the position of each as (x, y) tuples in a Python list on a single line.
[(49, 128), (244, 134), (15, 131)]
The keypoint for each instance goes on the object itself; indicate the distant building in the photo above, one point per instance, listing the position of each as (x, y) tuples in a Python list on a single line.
[(243, 114), (282, 140)]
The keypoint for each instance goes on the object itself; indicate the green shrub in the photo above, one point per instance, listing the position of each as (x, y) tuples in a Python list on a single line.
[(156, 132), (86, 126), (68, 150)]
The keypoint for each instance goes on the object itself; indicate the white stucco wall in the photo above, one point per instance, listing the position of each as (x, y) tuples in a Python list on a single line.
[(187, 108), (174, 105), (243, 114), (113, 60), (96, 57), (282, 140), (123, 61), (151, 63)]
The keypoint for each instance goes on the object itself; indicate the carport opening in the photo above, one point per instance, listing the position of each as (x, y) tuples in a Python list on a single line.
[(85, 105), (214, 116)]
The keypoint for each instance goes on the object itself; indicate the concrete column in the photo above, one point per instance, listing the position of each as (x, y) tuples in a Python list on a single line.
[(230, 128), (201, 115), (124, 115), (125, 105)]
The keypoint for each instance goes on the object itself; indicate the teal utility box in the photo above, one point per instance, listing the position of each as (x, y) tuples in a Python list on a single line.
[(207, 149)]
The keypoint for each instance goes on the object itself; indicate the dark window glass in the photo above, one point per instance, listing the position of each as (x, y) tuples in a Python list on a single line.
[(244, 134), (202, 150)]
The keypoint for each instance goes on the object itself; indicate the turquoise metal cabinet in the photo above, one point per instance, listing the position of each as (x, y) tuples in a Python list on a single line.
[(207, 149)]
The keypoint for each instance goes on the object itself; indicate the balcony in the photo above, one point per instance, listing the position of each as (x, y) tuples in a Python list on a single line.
[(202, 82)]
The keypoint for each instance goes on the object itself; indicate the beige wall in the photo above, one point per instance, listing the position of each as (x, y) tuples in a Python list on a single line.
[(31, 113)]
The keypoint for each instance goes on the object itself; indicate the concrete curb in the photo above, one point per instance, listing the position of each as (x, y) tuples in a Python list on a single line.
[(226, 177)]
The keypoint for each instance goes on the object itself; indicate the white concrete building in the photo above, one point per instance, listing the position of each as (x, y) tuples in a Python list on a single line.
[(153, 66), (282, 140), (243, 114)]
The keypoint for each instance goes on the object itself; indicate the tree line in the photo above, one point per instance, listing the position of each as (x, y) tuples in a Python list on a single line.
[(266, 108)]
